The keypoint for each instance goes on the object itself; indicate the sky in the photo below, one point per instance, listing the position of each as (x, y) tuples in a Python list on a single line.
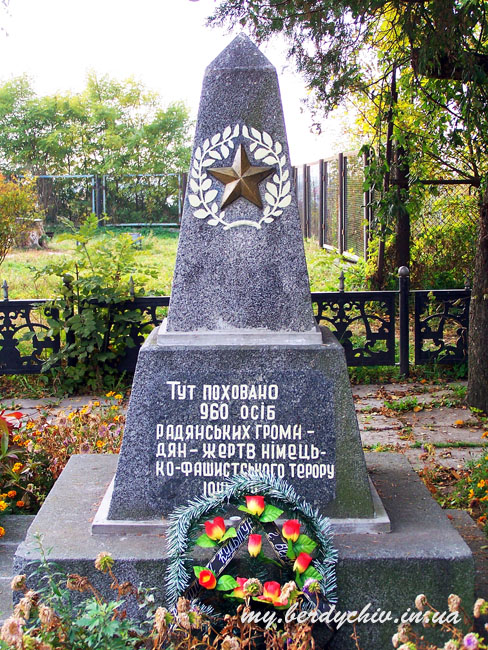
[(163, 43)]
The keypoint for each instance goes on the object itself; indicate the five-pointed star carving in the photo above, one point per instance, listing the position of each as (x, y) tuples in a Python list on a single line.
[(241, 179)]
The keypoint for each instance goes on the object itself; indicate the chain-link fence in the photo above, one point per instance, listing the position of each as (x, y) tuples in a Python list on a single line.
[(333, 207), (129, 199), (66, 196), (445, 206)]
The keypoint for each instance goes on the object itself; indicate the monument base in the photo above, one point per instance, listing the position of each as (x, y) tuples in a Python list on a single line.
[(378, 523), (199, 413), (422, 554)]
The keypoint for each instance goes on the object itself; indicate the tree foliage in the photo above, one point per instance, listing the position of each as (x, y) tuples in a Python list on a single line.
[(18, 209), (420, 70), (112, 127)]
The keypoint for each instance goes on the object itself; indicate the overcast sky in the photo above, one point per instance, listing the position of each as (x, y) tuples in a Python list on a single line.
[(163, 43)]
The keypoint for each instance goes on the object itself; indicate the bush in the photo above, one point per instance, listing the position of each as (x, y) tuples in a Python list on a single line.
[(473, 489), (18, 209), (95, 287), (33, 453)]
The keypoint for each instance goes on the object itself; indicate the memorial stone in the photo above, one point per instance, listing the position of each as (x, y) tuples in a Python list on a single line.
[(240, 377)]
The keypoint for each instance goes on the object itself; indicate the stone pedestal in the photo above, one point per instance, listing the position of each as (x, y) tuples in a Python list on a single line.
[(422, 554), (201, 413)]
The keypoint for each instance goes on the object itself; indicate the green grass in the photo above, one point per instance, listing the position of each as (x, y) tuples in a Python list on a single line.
[(159, 250), (401, 405)]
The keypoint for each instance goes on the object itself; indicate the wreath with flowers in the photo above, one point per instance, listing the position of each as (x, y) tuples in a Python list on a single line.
[(301, 543)]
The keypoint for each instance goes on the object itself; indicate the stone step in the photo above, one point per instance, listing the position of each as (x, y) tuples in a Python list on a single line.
[(15, 531)]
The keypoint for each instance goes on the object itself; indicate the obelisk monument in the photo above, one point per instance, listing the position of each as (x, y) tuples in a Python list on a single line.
[(239, 377)]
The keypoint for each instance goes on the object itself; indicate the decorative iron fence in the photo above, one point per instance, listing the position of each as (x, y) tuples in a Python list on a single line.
[(373, 326), (441, 325)]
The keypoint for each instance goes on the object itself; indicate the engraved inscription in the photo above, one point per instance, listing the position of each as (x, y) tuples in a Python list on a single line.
[(239, 427)]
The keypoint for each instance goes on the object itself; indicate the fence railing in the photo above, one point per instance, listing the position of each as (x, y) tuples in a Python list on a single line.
[(334, 209), (373, 326)]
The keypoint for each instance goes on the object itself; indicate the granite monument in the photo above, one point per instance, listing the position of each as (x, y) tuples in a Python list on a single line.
[(239, 377)]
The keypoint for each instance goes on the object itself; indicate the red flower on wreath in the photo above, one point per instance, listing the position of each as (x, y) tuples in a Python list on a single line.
[(291, 529), (215, 529), (207, 579), (255, 505), (239, 591), (272, 594), (302, 562), (254, 545)]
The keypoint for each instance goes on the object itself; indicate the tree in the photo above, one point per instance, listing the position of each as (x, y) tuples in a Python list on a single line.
[(437, 51), (112, 127)]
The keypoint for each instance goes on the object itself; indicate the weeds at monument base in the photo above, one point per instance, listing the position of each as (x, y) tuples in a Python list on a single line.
[(47, 619)]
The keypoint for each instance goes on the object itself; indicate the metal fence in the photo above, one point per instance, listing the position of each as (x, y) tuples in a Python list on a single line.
[(334, 209), (125, 199), (373, 326)]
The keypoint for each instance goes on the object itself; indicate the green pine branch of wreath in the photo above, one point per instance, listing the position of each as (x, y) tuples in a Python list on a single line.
[(218, 147), (186, 521)]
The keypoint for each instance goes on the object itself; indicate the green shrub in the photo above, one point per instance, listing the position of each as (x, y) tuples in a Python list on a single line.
[(94, 317)]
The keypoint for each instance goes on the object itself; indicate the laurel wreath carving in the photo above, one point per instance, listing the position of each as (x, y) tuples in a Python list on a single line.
[(218, 147)]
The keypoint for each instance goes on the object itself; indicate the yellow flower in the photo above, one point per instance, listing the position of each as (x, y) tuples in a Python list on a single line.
[(16, 438), (116, 418), (30, 425), (471, 494), (481, 483), (114, 407), (71, 415), (485, 498), (97, 403), (100, 443), (3, 506), (17, 467), (83, 411), (484, 434), (110, 393), (2, 531), (118, 396)]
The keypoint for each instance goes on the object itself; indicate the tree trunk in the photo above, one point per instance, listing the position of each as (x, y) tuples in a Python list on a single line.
[(402, 234), (477, 395), (379, 277)]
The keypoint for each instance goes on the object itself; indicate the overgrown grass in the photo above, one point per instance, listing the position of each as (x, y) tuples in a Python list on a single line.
[(158, 248)]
